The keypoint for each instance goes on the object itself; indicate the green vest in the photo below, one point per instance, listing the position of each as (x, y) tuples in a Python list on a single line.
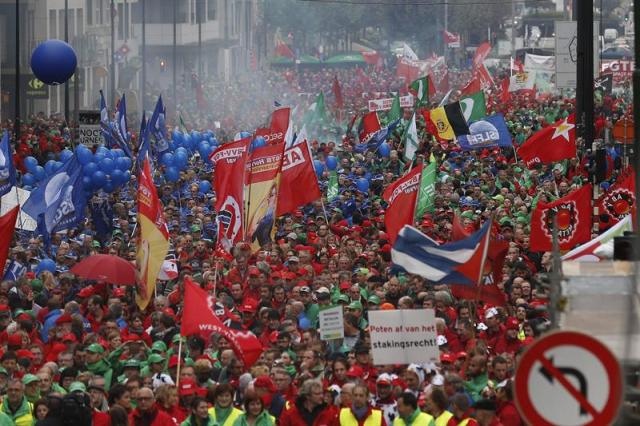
[(423, 419)]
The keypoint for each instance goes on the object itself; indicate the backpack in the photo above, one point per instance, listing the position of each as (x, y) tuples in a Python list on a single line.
[(76, 410)]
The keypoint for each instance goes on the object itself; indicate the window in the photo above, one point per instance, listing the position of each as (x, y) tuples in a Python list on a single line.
[(212, 10), (89, 7), (121, 21), (53, 31)]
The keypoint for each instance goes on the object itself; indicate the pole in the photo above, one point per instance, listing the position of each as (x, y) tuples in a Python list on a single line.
[(556, 291), (66, 85), (175, 53), (584, 89), (113, 54), (17, 80), (179, 362), (513, 28), (143, 91), (446, 27), (199, 12)]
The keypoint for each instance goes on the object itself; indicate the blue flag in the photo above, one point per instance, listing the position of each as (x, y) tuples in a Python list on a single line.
[(101, 216), (59, 201), (376, 139), (7, 168), (489, 132), (14, 271), (105, 124), (120, 129), (157, 130), (143, 147)]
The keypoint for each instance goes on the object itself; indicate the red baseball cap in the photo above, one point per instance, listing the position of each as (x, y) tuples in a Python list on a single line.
[(188, 387)]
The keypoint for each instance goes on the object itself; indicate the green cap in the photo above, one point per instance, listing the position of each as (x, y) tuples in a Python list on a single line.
[(77, 387), (4, 371), (36, 284), (506, 221), (95, 348), (522, 219), (355, 305), (362, 271), (176, 338), (343, 298), (155, 358), (467, 214), (195, 228), (374, 300), (30, 378), (95, 243), (159, 346), (131, 363), (499, 198)]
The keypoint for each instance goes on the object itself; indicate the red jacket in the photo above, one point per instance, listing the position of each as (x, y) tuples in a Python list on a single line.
[(505, 345), (297, 415), (508, 414), (157, 418)]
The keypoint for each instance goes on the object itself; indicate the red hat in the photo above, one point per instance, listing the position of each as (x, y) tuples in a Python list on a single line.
[(446, 358), (169, 312), (512, 324), (249, 306), (118, 292), (24, 317), (5, 308), (366, 223), (265, 382), (276, 274), (188, 387), (173, 361), (64, 318), (298, 213), (254, 272), (355, 371), (14, 339), (86, 292), (24, 353), (461, 354), (273, 337), (132, 338), (356, 228)]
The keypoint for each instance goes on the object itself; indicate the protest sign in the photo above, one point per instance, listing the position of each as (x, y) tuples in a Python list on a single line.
[(385, 104), (331, 323), (403, 336)]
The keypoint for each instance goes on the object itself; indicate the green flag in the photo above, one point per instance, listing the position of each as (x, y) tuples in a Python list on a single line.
[(183, 127), (332, 189), (426, 195), (474, 107), (316, 112), (421, 88), (396, 112), (410, 139)]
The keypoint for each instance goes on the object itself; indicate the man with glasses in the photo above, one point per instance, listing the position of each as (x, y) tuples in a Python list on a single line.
[(147, 412)]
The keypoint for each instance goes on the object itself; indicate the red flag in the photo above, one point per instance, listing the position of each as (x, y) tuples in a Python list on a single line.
[(298, 183), (282, 49), (439, 76), (337, 92), (553, 143), (486, 81), (458, 232), (481, 54), (401, 199), (620, 200), (368, 126), (451, 39), (573, 216), (7, 228), (408, 70), (229, 165), (198, 317), (495, 256), (279, 126), (505, 96), (473, 86)]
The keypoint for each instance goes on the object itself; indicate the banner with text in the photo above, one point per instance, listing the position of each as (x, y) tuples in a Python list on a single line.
[(403, 336), (385, 104)]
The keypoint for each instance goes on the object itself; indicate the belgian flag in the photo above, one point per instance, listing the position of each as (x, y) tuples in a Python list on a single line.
[(446, 122)]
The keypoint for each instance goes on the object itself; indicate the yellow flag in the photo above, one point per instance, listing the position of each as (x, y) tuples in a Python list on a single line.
[(440, 120)]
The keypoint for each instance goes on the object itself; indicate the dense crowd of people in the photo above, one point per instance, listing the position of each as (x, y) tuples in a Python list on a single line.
[(75, 352)]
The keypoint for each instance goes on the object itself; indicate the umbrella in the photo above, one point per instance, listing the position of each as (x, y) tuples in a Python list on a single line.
[(106, 267)]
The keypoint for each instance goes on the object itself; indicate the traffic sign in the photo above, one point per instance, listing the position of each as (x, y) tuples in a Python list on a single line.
[(568, 378)]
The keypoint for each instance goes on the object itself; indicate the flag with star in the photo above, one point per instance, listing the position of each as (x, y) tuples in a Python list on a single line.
[(553, 143)]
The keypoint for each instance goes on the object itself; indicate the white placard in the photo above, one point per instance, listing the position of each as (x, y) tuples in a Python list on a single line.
[(385, 104), (90, 134), (566, 53), (331, 323), (403, 336)]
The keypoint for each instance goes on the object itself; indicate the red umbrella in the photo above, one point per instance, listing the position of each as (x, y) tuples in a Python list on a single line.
[(108, 268)]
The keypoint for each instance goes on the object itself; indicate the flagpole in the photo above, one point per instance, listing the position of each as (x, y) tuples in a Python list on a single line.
[(179, 362), (215, 279), (515, 154), (484, 259)]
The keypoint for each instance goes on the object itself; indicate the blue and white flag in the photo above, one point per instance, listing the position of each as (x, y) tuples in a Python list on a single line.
[(376, 139), (489, 132), (120, 128), (14, 271), (7, 168), (59, 201), (156, 129), (105, 123), (458, 262)]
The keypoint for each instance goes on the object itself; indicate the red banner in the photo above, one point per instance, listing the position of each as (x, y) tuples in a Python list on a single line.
[(553, 143), (198, 317), (298, 184), (369, 125), (401, 198), (573, 218), (7, 228), (279, 126), (229, 165), (620, 200)]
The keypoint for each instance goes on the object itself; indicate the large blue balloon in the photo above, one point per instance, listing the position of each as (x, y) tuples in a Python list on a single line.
[(28, 179), (167, 159), (46, 265), (49, 167), (53, 62), (30, 163), (332, 162), (123, 163), (98, 179), (180, 160), (107, 165), (127, 176), (172, 174), (109, 186), (65, 154), (89, 169), (84, 155), (178, 137), (117, 177), (319, 167), (362, 184), (384, 149), (204, 186), (39, 173)]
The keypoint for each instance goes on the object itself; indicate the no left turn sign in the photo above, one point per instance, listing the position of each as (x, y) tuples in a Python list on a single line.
[(568, 378)]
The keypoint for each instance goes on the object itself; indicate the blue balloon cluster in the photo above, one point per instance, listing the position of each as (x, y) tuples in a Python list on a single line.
[(106, 169), (182, 147)]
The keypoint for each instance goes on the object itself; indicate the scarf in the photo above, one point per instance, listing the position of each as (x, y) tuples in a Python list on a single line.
[(222, 414)]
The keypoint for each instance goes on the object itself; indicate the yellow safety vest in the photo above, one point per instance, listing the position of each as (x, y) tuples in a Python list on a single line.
[(423, 419), (348, 419), (464, 422), (444, 418), (25, 419), (235, 413)]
